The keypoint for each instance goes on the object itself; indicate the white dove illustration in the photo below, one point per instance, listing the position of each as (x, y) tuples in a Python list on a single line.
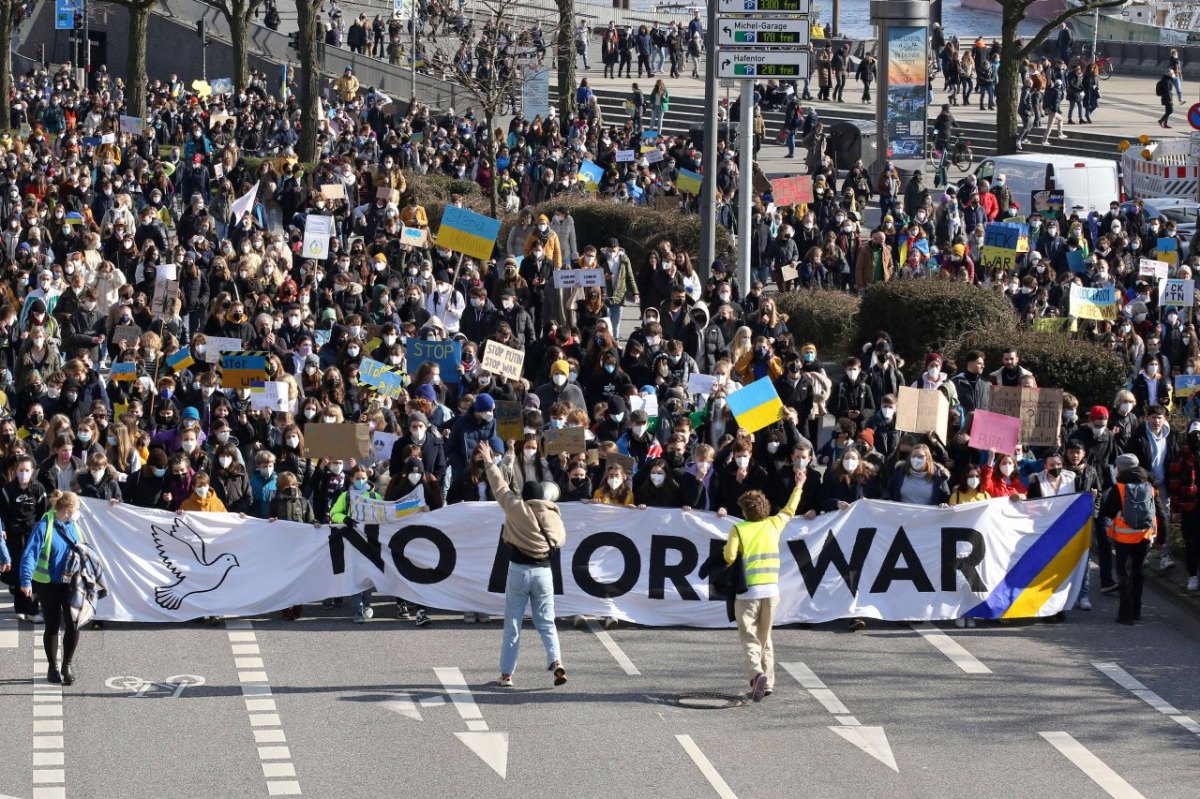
[(183, 550)]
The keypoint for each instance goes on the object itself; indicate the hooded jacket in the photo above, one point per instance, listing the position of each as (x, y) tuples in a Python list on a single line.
[(704, 342), (532, 528)]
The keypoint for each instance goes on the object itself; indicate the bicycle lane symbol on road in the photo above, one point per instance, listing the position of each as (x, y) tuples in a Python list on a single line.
[(141, 688)]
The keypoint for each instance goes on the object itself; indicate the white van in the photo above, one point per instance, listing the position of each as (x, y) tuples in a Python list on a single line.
[(1087, 183)]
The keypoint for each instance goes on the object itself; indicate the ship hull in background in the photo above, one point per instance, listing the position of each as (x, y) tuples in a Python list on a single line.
[(1040, 10)]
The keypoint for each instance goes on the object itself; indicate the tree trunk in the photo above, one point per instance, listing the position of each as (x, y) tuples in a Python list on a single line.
[(566, 60), (494, 193), (1008, 85), (310, 77), (7, 11), (135, 69), (239, 29)]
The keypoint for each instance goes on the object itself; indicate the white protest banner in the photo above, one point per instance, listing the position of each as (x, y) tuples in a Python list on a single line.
[(648, 403), (501, 360), (317, 230), (215, 345), (625, 156), (654, 156), (578, 278), (701, 384), (1148, 267), (1176, 292), (166, 272), (381, 445), (378, 511), (134, 125), (243, 204), (269, 394), (882, 560)]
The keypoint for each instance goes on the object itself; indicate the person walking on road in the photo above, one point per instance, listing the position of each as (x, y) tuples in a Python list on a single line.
[(756, 541), (533, 531), (43, 570), (1164, 90), (1133, 513)]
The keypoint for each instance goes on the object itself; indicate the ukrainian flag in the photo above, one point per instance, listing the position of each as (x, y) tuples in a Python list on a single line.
[(407, 507), (590, 173), (180, 360), (124, 372), (1043, 568), (756, 406), (468, 232), (689, 182)]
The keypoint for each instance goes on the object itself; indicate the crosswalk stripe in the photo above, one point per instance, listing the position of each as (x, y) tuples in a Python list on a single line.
[(951, 648), (1135, 687), (1096, 769)]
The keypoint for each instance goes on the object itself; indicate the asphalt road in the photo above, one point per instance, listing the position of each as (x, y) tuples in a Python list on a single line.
[(322, 707)]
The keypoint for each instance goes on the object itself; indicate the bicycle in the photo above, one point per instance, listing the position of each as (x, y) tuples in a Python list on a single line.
[(958, 152), (1103, 63)]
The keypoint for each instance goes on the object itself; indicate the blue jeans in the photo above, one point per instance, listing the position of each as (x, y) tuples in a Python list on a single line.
[(614, 320), (534, 586), (1179, 88), (791, 142), (362, 600), (1072, 105), (987, 91)]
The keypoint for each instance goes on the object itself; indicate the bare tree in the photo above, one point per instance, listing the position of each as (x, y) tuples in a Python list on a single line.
[(307, 18), (491, 72), (238, 14), (135, 67), (9, 9), (1013, 51), (565, 47)]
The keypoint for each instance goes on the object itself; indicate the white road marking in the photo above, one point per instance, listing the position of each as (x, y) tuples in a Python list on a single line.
[(614, 649), (952, 649), (872, 740), (49, 757), (490, 747), (706, 767), (1109, 781), (276, 761), (10, 634), (405, 706), (1131, 684)]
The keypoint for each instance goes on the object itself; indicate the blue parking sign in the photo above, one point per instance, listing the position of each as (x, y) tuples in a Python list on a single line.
[(64, 15)]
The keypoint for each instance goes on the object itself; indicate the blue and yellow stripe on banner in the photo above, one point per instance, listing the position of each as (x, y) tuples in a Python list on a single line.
[(755, 406), (1043, 568), (408, 507)]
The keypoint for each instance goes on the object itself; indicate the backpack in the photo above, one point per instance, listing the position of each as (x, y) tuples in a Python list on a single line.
[(1158, 89), (1138, 507)]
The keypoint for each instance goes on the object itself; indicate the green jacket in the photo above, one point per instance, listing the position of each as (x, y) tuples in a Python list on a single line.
[(341, 508)]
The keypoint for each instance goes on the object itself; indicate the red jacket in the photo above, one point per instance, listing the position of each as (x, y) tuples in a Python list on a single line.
[(996, 486), (987, 202)]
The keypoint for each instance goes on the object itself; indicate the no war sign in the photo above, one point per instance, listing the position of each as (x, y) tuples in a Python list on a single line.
[(883, 560)]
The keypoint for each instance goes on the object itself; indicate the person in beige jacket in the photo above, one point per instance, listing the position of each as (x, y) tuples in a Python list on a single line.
[(533, 531)]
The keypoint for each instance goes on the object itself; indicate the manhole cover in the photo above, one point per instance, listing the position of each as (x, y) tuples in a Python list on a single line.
[(707, 701)]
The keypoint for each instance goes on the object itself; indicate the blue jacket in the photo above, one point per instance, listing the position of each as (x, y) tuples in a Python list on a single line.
[(262, 491), (4, 556), (465, 436), (59, 551)]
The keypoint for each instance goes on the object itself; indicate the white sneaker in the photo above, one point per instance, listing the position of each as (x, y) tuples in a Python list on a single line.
[(1085, 603), (1193, 584), (971, 622), (469, 618), (36, 619), (368, 612), (960, 622), (1165, 562), (611, 622), (580, 620)]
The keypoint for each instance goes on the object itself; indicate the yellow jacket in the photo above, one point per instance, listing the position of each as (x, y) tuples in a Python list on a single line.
[(961, 497), (346, 86), (210, 504), (550, 247)]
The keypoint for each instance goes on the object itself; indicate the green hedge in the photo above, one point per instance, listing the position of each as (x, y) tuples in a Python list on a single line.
[(926, 316), (1057, 360), (825, 318)]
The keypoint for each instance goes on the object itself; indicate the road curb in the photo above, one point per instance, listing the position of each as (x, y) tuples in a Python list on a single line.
[(1173, 591)]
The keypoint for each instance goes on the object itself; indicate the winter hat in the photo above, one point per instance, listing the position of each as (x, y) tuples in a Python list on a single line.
[(1126, 462), (484, 403), (417, 416), (1098, 412), (809, 348), (425, 391), (867, 436), (931, 358), (560, 368)]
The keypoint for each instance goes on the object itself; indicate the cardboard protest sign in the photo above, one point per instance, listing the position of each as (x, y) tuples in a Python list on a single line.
[(701, 384), (508, 421), (567, 441), (446, 354), (414, 237), (1099, 304), (468, 232), (317, 230), (1056, 324), (648, 403), (1167, 250), (1148, 267), (1044, 201), (1039, 409), (624, 461), (381, 445), (995, 431), (163, 302), (166, 272), (387, 194), (578, 278), (333, 191), (502, 360), (755, 406), (338, 442), (387, 380), (127, 333), (792, 191), (921, 410)]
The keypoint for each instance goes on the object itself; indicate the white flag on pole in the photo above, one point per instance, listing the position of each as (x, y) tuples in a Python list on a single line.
[(242, 205)]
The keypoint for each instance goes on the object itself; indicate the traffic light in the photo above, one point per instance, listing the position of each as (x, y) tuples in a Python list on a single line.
[(78, 19), (201, 29)]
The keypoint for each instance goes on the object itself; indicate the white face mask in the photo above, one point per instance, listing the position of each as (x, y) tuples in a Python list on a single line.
[(559, 380), (97, 474), (202, 491), (657, 478), (414, 478), (639, 430), (615, 482), (850, 464), (1125, 407), (972, 483), (1006, 469), (851, 375), (702, 467), (336, 468), (742, 461), (417, 433), (888, 413), (773, 447), (530, 454), (293, 441), (188, 446), (310, 413), (329, 419), (918, 463), (933, 372), (225, 461)]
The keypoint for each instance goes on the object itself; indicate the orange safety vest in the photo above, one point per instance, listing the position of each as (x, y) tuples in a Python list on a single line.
[(1122, 533)]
